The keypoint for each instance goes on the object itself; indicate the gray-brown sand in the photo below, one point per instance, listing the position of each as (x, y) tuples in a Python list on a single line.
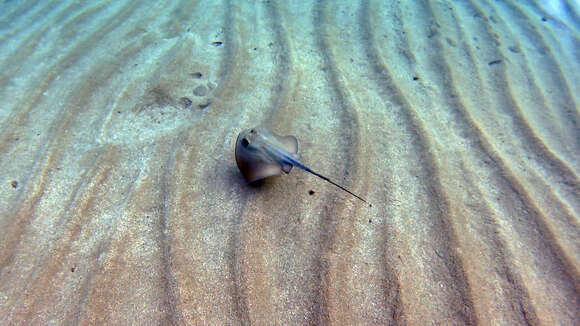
[(121, 202)]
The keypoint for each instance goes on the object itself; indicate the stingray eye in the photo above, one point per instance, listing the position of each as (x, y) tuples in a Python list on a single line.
[(245, 142)]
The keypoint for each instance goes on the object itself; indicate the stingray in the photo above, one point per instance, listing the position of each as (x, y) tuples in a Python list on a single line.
[(260, 153)]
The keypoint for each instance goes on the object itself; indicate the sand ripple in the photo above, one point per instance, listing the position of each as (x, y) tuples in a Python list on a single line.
[(120, 201)]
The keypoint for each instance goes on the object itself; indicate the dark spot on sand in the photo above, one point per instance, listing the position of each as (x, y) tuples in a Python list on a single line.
[(514, 49), (311, 192), (156, 97), (217, 43), (196, 75), (494, 62), (14, 184), (72, 269), (544, 19), (204, 105), (415, 78), (450, 41), (370, 221), (185, 102), (433, 30)]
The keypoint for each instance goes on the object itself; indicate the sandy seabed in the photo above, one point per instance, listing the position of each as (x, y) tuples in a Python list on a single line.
[(121, 203)]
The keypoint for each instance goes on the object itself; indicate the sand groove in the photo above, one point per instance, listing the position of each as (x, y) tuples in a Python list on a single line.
[(120, 200), (537, 221), (390, 92), (44, 165), (546, 77), (555, 210)]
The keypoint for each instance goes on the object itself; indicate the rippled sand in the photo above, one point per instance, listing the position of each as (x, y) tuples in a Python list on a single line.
[(120, 200)]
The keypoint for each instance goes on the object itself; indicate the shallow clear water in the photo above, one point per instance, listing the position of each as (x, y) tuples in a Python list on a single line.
[(121, 201)]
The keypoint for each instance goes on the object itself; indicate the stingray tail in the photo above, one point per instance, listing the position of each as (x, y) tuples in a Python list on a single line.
[(305, 168)]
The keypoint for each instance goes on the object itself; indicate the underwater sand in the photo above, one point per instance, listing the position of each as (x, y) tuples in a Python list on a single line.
[(121, 202)]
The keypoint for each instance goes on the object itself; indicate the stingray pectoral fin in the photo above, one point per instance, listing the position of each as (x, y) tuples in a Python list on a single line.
[(287, 167), (261, 171), (290, 143)]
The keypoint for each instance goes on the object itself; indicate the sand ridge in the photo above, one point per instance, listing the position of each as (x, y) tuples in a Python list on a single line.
[(120, 200)]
